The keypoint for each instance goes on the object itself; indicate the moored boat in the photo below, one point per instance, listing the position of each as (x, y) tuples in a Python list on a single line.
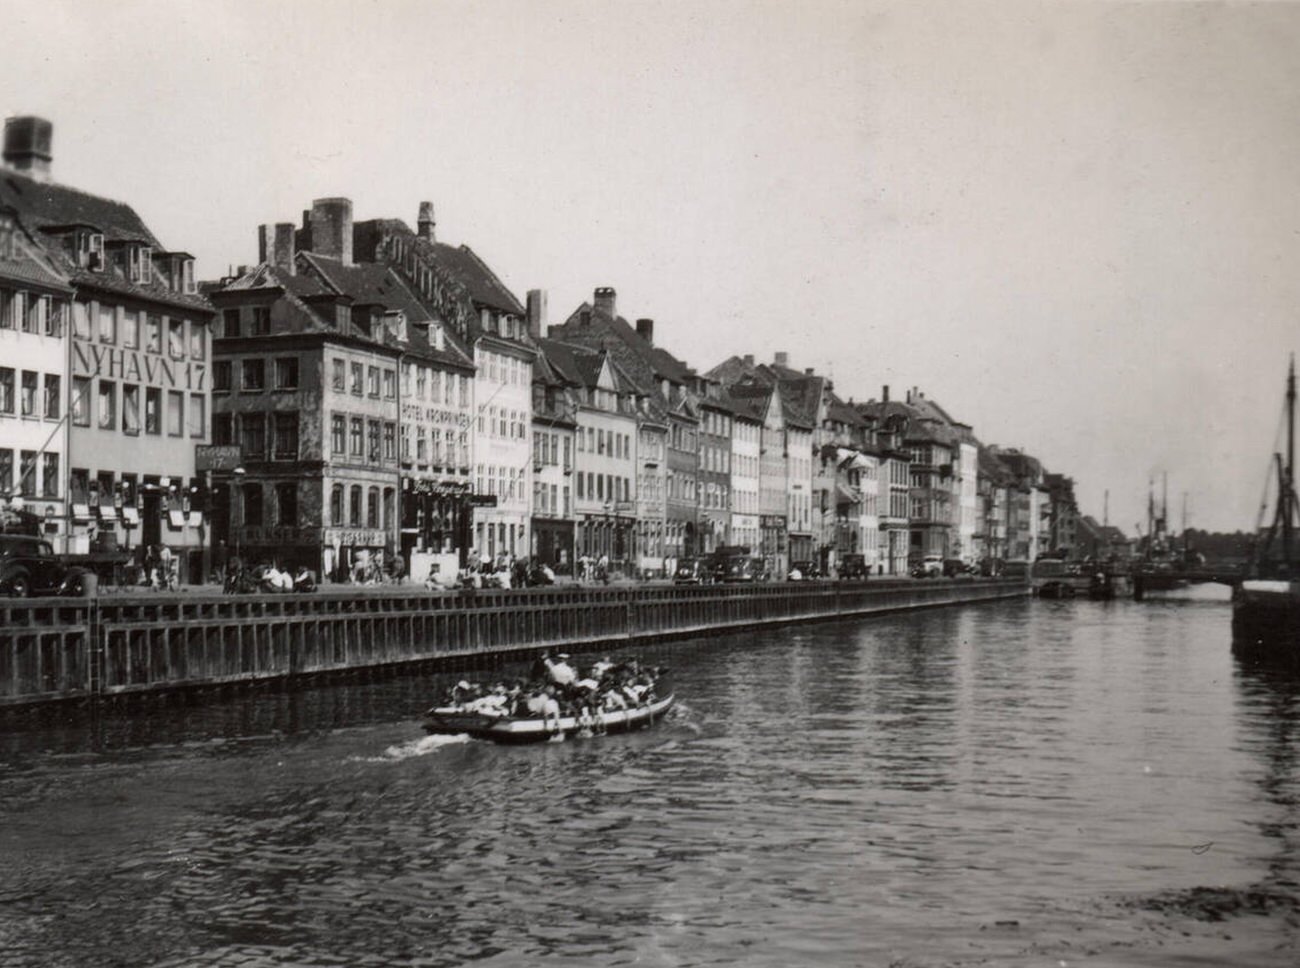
[(1266, 604)]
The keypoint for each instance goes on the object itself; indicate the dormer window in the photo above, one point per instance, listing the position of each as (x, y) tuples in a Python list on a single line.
[(139, 263), (187, 277), (90, 250), (437, 338), (8, 237)]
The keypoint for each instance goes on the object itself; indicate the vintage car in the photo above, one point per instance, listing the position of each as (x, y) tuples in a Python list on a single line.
[(29, 566)]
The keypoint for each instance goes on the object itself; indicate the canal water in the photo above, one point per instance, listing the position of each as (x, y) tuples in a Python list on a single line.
[(1022, 783)]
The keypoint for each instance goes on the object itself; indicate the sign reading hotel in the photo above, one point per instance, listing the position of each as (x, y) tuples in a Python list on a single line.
[(415, 412), (135, 366)]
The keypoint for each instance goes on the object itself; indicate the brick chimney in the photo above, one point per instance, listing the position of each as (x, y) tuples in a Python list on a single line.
[(782, 359), (749, 359), (536, 311), (605, 301), (331, 228), (645, 328), (426, 223), (28, 140), (275, 245), (884, 393)]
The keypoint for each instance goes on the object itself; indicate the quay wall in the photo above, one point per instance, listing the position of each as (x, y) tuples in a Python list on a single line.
[(112, 646)]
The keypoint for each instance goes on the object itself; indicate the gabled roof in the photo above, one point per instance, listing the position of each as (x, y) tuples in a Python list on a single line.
[(485, 288), (45, 208)]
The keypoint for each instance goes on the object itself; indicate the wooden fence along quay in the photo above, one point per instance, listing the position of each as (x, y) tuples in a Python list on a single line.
[(117, 646)]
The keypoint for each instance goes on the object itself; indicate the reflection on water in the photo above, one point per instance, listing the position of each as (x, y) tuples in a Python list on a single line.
[(1021, 783)]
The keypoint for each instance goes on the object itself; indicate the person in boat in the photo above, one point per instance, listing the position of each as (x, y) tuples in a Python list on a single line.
[(558, 670), (601, 667), (495, 703), (462, 693), (544, 706)]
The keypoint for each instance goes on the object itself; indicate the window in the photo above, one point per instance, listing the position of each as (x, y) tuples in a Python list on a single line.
[(390, 441), (130, 329), (198, 415), (175, 413), (230, 323), (421, 377), (81, 320), (254, 374), (339, 381), (6, 469), (27, 474), (50, 475), (223, 432), (80, 398), (8, 299), (338, 435), (152, 410), (358, 379), (107, 323), (286, 504), (153, 333), (220, 376), (252, 434), (390, 385), (261, 320), (372, 508), (286, 373), (354, 506), (336, 505), (421, 447), (55, 313), (463, 381), (372, 437), (131, 408), (252, 505), (107, 404), (286, 436), (53, 404), (176, 338), (197, 340), (30, 377), (372, 381), (357, 441)]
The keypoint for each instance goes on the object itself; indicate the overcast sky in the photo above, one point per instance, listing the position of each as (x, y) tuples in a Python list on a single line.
[(1073, 225)]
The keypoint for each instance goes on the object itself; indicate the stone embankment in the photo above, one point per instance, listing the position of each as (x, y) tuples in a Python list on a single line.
[(115, 646)]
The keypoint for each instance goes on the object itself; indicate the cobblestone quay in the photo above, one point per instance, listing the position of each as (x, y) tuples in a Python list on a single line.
[(112, 646)]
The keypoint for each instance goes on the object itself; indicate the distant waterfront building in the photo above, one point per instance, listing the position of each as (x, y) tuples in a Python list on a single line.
[(137, 384)]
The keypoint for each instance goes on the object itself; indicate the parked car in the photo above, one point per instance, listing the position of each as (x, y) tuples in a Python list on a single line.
[(806, 570), (931, 566), (739, 568), (29, 566), (853, 568), (692, 571), (952, 567)]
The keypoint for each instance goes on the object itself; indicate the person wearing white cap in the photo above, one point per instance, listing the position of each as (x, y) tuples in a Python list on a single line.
[(559, 671)]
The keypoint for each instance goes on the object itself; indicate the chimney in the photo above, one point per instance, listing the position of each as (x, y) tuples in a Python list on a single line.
[(427, 224), (605, 297), (584, 318), (645, 328), (27, 146), (536, 309), (782, 359), (884, 393), (807, 371), (749, 359), (331, 228), (275, 245)]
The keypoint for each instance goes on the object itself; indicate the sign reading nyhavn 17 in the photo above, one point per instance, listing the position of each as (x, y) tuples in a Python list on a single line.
[(134, 366), (217, 457)]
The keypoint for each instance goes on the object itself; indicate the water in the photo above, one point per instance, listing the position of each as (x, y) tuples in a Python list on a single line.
[(1025, 783)]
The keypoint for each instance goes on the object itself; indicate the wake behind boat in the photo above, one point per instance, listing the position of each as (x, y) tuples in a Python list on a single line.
[(559, 701)]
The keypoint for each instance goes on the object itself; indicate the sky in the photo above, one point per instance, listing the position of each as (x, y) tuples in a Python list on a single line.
[(1073, 225)]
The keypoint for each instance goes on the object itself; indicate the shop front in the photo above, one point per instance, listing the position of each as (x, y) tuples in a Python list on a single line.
[(553, 544)]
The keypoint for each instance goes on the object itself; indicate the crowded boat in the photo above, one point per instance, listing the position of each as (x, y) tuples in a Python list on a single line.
[(559, 698)]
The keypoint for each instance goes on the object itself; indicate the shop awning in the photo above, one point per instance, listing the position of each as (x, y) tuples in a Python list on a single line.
[(107, 513), (176, 519), (131, 516), (81, 512), (846, 495), (196, 519)]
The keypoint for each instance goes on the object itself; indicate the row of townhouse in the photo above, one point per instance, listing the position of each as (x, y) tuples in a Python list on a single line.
[(366, 392)]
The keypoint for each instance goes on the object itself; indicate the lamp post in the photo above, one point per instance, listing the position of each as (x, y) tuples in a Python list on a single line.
[(238, 472)]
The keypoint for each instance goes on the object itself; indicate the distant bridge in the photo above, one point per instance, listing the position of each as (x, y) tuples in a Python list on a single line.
[(1156, 580)]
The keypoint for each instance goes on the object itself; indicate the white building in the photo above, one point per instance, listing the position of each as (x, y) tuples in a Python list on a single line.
[(34, 314), (746, 453)]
